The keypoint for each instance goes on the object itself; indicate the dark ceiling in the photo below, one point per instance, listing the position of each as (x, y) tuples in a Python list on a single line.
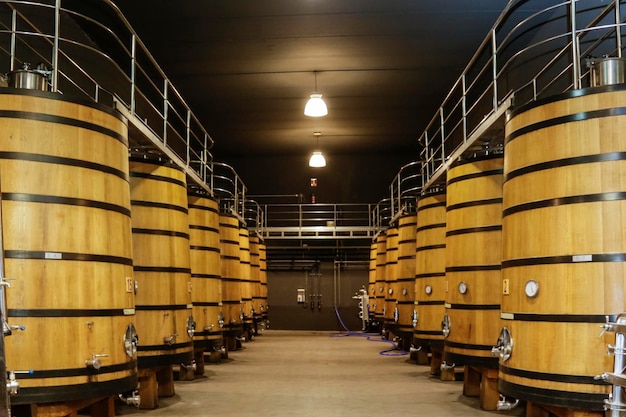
[(246, 68)]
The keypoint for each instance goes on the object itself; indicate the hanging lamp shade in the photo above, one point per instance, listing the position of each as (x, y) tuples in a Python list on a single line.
[(315, 107), (317, 160)]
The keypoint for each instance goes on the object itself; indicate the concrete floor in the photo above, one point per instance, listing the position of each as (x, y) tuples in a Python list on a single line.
[(303, 373)]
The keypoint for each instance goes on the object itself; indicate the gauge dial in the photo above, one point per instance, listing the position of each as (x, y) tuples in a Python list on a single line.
[(462, 287), (531, 288), (428, 289)]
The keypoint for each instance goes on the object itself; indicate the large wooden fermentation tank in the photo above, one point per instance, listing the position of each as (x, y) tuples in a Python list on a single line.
[(231, 279), (255, 282), (391, 282), (161, 256), (473, 256), (245, 270), (66, 232), (405, 297), (206, 284), (430, 274), (263, 280), (371, 282), (564, 245), (381, 263)]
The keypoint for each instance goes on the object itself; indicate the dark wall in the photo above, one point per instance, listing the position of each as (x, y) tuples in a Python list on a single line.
[(345, 179), (286, 314)]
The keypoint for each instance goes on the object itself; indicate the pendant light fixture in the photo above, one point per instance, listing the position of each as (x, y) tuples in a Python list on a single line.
[(315, 107), (317, 160)]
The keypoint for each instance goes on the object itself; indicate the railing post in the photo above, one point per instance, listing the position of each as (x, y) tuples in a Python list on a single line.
[(575, 52), (133, 72), (55, 48), (13, 37), (188, 132), (464, 105), (443, 135), (618, 28), (494, 65), (165, 109)]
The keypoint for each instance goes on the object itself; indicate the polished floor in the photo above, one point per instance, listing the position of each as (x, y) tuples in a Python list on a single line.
[(303, 373)]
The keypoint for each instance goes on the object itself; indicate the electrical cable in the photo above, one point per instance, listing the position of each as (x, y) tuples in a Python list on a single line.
[(368, 336)]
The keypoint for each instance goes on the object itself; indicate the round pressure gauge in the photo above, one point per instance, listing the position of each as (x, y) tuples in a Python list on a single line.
[(381, 289), (405, 291), (462, 287), (531, 288), (390, 291), (428, 289)]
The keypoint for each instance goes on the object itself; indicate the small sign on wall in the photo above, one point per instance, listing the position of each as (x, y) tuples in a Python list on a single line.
[(301, 295)]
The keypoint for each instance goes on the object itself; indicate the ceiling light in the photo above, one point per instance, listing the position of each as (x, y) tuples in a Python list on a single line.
[(317, 160), (315, 107)]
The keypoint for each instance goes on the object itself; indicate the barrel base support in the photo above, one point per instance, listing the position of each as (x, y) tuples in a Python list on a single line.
[(452, 374), (154, 383), (482, 382), (94, 407), (539, 410)]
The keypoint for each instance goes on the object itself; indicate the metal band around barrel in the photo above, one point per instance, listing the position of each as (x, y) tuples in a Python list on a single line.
[(566, 399), (28, 395), (473, 306), (430, 247), (170, 233), (166, 269), (59, 373), (468, 346), (430, 275), (429, 332), (68, 121), (560, 318), (575, 117), (42, 312), (431, 303), (431, 206), (206, 276), (561, 201), (475, 175), (160, 178), (67, 256), (163, 307), (57, 160), (481, 229), (204, 228), (566, 259), (565, 162), (205, 248), (568, 379), (477, 203), (151, 361), (204, 208), (175, 346), (68, 201), (430, 226), (206, 304), (152, 204)]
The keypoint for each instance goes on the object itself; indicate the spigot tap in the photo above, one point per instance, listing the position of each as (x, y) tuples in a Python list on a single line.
[(95, 361)]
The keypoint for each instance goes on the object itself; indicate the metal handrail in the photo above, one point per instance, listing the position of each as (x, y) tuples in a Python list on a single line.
[(114, 65), (490, 77)]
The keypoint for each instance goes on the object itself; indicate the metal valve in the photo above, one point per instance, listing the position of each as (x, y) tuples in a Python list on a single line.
[(209, 327), (191, 366), (504, 347), (170, 340), (415, 318), (95, 361), (445, 326), (13, 384), (414, 349), (446, 367), (133, 399)]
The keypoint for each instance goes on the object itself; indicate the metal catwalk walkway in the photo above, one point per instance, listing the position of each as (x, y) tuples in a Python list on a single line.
[(303, 373)]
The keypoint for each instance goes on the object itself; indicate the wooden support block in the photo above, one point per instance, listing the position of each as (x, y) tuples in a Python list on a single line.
[(471, 381), (165, 379), (148, 388), (421, 357), (534, 410), (104, 408), (435, 361), (198, 356), (489, 394), (448, 374), (185, 373), (231, 342)]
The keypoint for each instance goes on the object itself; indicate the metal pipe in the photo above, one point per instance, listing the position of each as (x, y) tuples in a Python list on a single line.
[(55, 48), (133, 73), (5, 405), (13, 37), (618, 28), (575, 52), (494, 63)]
